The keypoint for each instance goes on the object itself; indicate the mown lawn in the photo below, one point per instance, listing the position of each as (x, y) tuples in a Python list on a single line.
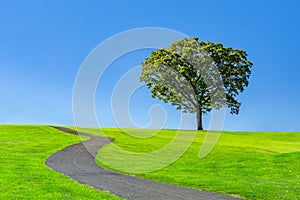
[(24, 175), (250, 165)]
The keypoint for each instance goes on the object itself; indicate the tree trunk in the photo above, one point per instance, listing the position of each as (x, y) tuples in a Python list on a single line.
[(199, 120)]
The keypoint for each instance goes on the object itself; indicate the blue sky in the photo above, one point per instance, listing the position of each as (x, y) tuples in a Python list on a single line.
[(43, 43)]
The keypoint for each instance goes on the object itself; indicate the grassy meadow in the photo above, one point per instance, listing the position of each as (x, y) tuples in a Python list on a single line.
[(250, 165), (24, 175)]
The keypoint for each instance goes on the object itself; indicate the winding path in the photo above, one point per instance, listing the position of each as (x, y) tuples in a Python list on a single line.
[(78, 163)]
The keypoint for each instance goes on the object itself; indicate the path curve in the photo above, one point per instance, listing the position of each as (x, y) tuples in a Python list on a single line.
[(79, 164)]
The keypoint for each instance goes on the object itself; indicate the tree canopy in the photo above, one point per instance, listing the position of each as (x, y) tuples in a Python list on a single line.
[(197, 76)]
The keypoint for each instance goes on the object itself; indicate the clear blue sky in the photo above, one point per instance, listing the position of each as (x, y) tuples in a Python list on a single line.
[(43, 43)]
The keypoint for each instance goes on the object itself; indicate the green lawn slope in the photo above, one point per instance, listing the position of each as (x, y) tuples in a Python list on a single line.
[(24, 175), (258, 165), (250, 165)]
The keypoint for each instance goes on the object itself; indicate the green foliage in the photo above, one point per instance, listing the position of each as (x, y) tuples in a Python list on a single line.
[(197, 76)]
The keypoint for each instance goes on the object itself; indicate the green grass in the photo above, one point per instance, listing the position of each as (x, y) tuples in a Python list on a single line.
[(251, 165), (24, 150), (243, 164)]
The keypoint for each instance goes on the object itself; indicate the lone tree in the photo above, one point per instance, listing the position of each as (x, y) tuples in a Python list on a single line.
[(197, 76)]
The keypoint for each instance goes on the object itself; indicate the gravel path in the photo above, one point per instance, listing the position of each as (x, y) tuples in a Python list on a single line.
[(78, 163)]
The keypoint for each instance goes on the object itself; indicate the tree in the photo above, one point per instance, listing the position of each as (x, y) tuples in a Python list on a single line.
[(197, 76)]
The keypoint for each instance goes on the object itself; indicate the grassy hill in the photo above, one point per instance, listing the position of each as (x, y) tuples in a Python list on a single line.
[(24, 175), (251, 165)]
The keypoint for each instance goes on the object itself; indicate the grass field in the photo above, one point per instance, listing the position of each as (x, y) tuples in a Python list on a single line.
[(251, 165), (243, 164), (24, 150)]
